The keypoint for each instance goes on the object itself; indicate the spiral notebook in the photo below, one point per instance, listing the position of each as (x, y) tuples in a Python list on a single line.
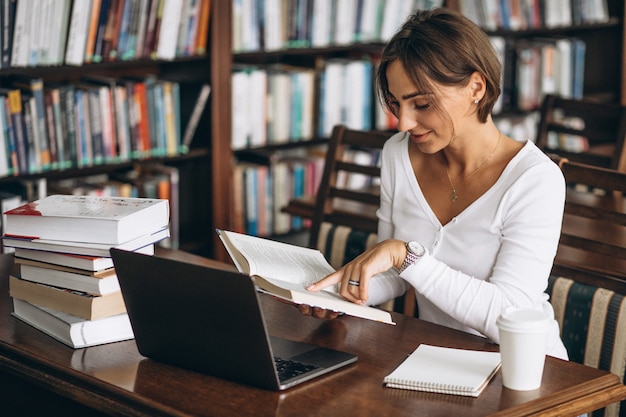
[(445, 370)]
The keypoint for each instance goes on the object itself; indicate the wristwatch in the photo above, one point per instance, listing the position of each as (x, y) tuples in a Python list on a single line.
[(414, 251)]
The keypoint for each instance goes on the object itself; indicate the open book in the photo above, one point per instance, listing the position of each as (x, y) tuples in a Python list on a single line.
[(445, 370), (285, 270)]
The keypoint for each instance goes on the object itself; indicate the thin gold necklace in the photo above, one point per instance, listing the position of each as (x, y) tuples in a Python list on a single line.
[(453, 194)]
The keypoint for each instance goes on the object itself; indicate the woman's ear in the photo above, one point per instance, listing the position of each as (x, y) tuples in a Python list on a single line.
[(477, 86)]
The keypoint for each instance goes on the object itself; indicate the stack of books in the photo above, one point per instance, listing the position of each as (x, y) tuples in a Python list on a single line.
[(63, 281)]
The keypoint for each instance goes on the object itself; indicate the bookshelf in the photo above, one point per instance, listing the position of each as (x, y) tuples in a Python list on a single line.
[(205, 169), (604, 62)]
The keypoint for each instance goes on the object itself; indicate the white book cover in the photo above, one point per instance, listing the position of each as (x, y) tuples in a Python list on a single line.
[(92, 219), (321, 23), (274, 31), (77, 35), (345, 22), (332, 83), (256, 97), (71, 330), (281, 107), (21, 34), (371, 19), (240, 81), (168, 32), (391, 19)]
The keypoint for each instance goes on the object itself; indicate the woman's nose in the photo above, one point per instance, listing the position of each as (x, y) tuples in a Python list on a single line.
[(405, 122)]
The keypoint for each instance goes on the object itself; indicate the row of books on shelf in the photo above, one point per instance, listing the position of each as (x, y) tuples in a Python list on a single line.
[(279, 24), (535, 67), (63, 281), (99, 120), (261, 190), (265, 184), (74, 32), (492, 15), (278, 104)]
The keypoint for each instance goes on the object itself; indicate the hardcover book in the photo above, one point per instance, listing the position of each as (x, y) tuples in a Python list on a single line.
[(88, 263), (83, 248), (71, 330), (93, 282), (77, 303), (94, 219), (285, 270)]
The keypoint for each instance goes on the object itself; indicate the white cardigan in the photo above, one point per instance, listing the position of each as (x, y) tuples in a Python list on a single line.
[(497, 253)]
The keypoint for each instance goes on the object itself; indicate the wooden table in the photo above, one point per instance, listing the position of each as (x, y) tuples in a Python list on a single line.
[(117, 380)]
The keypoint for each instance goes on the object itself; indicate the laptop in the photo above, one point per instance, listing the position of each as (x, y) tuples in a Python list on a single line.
[(210, 320)]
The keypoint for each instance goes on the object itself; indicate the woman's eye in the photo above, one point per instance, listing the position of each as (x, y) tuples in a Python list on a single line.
[(417, 106)]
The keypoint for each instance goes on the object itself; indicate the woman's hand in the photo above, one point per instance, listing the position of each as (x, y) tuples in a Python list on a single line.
[(354, 277)]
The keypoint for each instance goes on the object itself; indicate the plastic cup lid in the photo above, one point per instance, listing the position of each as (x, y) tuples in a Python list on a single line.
[(522, 319)]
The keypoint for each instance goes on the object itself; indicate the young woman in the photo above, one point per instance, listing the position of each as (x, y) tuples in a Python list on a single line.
[(469, 217)]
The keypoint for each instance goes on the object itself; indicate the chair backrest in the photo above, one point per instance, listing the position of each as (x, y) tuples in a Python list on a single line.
[(592, 320), (585, 131), (349, 192), (344, 223), (592, 247)]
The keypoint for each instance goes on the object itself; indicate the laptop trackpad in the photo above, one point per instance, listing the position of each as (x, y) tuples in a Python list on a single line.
[(288, 349)]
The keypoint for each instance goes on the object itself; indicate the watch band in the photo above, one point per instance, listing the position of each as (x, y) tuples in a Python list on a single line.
[(414, 252)]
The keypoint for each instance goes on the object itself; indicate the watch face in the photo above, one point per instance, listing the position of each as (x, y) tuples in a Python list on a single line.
[(416, 248)]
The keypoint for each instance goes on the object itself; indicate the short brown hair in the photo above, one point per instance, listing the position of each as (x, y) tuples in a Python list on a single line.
[(445, 47)]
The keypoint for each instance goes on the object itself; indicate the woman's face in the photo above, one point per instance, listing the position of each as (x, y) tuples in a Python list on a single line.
[(431, 127)]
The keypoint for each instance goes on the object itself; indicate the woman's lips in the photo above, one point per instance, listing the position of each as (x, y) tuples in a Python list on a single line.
[(420, 137)]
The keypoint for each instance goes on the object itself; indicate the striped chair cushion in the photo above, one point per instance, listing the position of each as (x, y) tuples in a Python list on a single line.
[(593, 328), (341, 244)]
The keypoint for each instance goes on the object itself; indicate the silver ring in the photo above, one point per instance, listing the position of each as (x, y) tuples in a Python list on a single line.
[(353, 282)]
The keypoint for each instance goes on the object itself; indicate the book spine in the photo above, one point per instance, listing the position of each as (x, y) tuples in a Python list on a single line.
[(194, 119), (141, 27), (20, 34), (17, 122), (77, 35), (93, 24), (95, 121), (51, 129), (30, 132), (8, 22), (123, 36), (203, 27), (151, 29), (168, 31), (10, 134), (36, 87)]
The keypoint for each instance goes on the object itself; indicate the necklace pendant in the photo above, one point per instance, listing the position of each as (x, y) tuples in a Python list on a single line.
[(453, 196)]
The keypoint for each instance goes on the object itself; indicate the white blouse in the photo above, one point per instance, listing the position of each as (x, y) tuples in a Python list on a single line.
[(497, 253)]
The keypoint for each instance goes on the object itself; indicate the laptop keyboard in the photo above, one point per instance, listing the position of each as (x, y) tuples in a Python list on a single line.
[(288, 369)]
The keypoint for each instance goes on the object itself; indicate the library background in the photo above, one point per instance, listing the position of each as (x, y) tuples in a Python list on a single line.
[(225, 107)]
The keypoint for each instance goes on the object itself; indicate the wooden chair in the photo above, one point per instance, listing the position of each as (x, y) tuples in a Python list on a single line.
[(592, 320), (588, 281), (349, 193), (343, 214), (592, 247), (602, 125)]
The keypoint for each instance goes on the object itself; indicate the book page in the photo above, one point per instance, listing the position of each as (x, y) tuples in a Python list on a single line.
[(277, 260)]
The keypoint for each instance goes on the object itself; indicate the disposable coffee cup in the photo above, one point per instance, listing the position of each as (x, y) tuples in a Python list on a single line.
[(523, 341)]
